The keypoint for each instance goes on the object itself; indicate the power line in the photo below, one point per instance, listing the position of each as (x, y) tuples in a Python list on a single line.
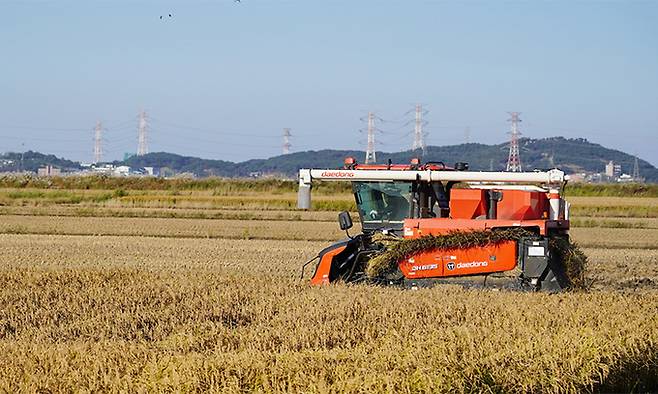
[(43, 128), (235, 133)]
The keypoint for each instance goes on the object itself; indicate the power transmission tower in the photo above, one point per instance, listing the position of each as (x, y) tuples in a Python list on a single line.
[(286, 141), (636, 171), (419, 140), (551, 159), (142, 141), (514, 159), (371, 155), (467, 135), (20, 169), (98, 150)]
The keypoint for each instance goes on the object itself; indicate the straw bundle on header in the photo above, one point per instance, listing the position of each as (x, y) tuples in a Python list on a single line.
[(399, 249)]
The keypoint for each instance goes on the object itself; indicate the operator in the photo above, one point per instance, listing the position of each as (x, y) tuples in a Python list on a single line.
[(397, 207)]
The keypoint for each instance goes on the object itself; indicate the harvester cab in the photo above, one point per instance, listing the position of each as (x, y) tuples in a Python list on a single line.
[(434, 205)]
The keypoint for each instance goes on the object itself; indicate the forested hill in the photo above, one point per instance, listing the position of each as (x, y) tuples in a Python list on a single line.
[(31, 161), (571, 155)]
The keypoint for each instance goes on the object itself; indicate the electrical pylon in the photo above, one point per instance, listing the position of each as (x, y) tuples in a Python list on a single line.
[(286, 141), (98, 150), (419, 138), (514, 158), (636, 171), (142, 140), (371, 155)]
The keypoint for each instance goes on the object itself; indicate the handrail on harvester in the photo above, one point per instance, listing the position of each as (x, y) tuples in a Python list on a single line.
[(553, 178)]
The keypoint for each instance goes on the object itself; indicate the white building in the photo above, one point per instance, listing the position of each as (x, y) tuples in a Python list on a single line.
[(612, 170), (49, 171), (121, 171)]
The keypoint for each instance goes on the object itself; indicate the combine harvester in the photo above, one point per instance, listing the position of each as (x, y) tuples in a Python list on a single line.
[(426, 201)]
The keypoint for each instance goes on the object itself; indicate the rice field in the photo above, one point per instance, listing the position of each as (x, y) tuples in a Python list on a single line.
[(106, 294)]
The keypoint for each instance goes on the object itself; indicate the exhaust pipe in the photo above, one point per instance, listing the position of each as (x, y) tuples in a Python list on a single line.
[(304, 192), (304, 197)]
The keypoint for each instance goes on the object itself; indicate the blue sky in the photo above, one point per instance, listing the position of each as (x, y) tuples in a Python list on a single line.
[(221, 79)]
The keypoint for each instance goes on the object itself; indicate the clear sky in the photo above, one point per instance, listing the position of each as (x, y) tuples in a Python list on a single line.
[(220, 79)]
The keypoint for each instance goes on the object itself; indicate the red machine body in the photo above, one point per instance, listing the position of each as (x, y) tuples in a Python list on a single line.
[(419, 207)]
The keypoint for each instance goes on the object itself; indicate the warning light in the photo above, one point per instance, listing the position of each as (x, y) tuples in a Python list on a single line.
[(349, 162), (415, 161)]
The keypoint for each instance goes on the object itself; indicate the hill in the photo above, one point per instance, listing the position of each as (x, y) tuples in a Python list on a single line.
[(572, 155), (179, 164), (31, 161)]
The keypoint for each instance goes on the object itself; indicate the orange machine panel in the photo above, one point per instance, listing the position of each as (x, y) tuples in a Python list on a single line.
[(321, 276), (467, 203), (414, 228), (459, 262), (522, 205)]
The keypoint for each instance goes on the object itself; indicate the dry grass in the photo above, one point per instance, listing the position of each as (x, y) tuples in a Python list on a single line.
[(623, 268), (49, 252), (614, 207), (98, 210), (264, 229), (612, 201), (263, 202), (615, 222), (178, 213), (119, 313), (198, 199), (173, 228), (628, 211), (190, 304), (624, 238)]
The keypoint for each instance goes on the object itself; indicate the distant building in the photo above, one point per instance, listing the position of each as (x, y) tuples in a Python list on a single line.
[(612, 170), (578, 177), (121, 171), (151, 171), (625, 178), (102, 169), (186, 175), (49, 171)]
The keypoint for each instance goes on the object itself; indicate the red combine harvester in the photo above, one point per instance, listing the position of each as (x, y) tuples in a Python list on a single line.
[(414, 200)]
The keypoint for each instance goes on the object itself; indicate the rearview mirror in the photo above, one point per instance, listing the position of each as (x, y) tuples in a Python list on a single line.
[(345, 220)]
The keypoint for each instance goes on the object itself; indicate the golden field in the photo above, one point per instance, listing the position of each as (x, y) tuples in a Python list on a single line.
[(103, 295)]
